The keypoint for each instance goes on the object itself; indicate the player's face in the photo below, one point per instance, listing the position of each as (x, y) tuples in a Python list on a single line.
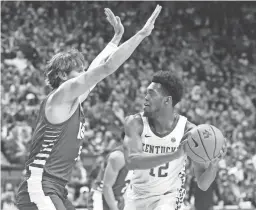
[(76, 72), (153, 99)]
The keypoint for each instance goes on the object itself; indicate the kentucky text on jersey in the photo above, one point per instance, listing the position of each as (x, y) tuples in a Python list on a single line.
[(157, 149)]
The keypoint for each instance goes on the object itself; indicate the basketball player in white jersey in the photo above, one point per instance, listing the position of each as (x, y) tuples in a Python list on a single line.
[(154, 142)]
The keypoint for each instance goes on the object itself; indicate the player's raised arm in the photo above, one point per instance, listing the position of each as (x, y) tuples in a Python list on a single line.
[(115, 163), (109, 49), (73, 88), (135, 158), (112, 46)]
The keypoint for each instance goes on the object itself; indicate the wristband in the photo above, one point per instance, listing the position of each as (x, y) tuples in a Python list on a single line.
[(112, 45)]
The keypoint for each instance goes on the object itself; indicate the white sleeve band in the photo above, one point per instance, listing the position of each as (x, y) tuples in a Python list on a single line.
[(108, 50), (112, 45), (105, 53)]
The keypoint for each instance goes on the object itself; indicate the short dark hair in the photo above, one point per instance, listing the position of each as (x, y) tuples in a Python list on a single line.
[(65, 62), (171, 83)]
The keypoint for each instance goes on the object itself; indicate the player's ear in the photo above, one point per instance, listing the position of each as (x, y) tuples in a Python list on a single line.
[(168, 100)]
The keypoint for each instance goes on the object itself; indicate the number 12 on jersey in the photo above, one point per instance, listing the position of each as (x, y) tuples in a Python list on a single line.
[(159, 171)]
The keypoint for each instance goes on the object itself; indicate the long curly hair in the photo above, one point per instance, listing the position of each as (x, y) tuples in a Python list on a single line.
[(62, 62)]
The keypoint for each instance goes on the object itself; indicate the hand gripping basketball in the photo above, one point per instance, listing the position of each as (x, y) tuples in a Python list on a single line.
[(184, 140), (221, 155)]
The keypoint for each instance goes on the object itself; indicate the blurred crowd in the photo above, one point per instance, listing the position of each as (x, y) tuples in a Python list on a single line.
[(214, 54)]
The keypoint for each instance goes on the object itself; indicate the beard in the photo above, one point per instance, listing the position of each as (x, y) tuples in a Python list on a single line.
[(150, 113), (147, 114)]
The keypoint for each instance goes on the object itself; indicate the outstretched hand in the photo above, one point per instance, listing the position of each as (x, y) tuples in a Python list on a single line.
[(149, 26), (115, 22)]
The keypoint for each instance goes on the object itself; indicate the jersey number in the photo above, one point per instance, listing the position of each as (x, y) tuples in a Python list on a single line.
[(161, 171)]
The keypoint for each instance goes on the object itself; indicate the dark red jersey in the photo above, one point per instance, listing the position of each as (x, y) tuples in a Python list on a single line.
[(53, 152)]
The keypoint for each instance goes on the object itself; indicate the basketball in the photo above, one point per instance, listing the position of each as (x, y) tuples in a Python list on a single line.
[(204, 143)]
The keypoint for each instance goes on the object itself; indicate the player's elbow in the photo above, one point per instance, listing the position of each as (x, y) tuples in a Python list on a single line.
[(203, 186), (129, 163), (110, 65), (131, 166), (132, 163)]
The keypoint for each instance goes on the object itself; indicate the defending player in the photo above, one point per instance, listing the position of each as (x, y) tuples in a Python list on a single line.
[(60, 125), (110, 186), (154, 149)]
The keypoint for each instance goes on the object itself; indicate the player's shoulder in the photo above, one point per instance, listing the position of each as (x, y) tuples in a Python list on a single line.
[(189, 125), (135, 118), (117, 154), (116, 158), (134, 122)]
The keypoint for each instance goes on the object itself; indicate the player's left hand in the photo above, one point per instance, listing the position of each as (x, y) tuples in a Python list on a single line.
[(115, 22), (149, 26), (222, 154), (184, 140), (181, 147)]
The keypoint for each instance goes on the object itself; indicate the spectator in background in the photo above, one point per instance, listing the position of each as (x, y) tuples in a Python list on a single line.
[(81, 201), (99, 164), (8, 197), (78, 177), (71, 193), (118, 111), (19, 62)]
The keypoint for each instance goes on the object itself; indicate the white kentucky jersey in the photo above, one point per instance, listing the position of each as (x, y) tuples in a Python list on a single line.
[(167, 178)]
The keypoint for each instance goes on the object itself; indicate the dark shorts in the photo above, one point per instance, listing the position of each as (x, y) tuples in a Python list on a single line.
[(50, 202), (49, 194)]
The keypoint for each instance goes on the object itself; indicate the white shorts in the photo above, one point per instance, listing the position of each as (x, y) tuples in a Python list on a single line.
[(95, 200), (161, 202)]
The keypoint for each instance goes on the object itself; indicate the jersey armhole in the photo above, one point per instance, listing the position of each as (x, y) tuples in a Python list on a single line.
[(43, 113)]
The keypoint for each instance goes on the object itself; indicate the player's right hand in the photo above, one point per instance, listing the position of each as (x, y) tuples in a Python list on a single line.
[(181, 148), (149, 26), (184, 140), (115, 22), (221, 155), (179, 152)]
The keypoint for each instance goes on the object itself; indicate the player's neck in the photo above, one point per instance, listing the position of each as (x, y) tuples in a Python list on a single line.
[(162, 122)]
